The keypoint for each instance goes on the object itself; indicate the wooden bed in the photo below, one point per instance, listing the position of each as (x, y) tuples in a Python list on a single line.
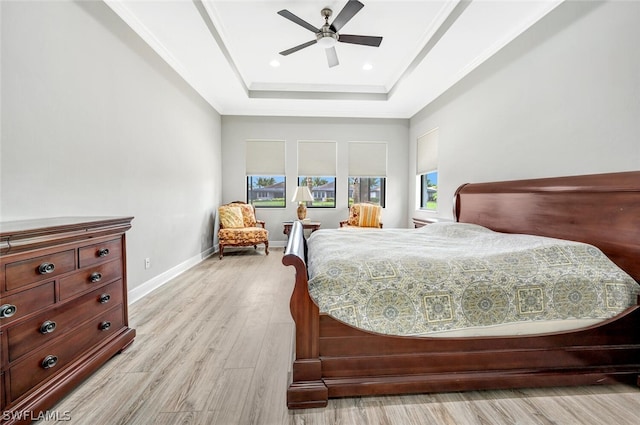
[(333, 359)]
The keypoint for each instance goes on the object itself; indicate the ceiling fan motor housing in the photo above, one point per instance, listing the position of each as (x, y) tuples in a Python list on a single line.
[(326, 38)]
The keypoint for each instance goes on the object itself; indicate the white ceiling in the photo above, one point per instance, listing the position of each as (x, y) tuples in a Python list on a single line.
[(223, 49)]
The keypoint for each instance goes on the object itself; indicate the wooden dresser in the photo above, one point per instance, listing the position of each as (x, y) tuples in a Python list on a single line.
[(63, 307)]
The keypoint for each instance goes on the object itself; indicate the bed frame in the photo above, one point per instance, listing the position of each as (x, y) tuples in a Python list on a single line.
[(333, 359)]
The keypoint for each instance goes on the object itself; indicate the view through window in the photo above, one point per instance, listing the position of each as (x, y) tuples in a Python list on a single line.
[(266, 191), (429, 191), (367, 189), (322, 188)]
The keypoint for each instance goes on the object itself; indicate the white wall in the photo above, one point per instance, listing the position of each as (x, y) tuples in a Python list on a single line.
[(95, 123), (562, 99), (237, 129)]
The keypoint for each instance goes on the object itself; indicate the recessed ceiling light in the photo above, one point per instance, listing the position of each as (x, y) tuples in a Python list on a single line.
[(367, 66), (274, 63)]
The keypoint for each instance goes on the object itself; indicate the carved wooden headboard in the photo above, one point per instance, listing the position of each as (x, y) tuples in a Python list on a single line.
[(599, 209)]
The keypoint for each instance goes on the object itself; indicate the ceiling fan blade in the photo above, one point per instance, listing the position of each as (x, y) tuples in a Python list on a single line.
[(345, 15), (293, 18), (299, 47), (332, 57), (366, 40)]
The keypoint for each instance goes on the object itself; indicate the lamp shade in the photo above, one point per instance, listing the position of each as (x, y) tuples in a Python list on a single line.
[(302, 195)]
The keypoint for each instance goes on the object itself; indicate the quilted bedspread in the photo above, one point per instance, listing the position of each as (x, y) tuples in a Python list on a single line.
[(449, 276)]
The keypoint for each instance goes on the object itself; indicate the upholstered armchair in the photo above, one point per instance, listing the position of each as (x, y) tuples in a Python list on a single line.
[(239, 227), (363, 215)]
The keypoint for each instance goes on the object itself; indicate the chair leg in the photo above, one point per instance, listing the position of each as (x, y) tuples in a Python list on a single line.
[(220, 249), (266, 248)]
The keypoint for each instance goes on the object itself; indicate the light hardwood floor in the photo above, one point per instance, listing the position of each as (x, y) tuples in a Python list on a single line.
[(214, 346)]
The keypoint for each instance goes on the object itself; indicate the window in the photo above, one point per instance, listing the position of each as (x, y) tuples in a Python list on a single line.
[(266, 182), (367, 189), (266, 191), (427, 168), (367, 172), (323, 190), (317, 171), (429, 191)]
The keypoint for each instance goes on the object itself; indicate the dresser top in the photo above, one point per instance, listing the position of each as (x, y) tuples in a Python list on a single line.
[(48, 230), (56, 224)]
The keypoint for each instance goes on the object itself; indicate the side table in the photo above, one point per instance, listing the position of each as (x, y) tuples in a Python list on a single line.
[(313, 225)]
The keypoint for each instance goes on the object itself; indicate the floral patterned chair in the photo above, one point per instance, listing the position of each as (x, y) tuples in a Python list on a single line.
[(363, 215), (239, 227)]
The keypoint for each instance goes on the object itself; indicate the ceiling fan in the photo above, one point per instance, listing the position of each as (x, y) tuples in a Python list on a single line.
[(327, 36)]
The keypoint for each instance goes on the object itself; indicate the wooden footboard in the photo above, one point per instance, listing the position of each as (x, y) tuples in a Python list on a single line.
[(356, 363), (334, 359), (307, 388)]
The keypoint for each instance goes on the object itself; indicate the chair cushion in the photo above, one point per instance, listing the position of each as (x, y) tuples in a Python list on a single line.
[(244, 236), (231, 217), (369, 215)]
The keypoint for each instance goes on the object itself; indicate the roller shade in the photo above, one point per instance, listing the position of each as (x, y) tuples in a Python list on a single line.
[(367, 159), (265, 158), (427, 152), (316, 158)]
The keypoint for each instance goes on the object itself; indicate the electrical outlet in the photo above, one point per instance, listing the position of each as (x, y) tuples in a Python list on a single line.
[(147, 263)]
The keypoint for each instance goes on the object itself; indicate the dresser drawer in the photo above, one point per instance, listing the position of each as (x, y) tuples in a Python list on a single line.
[(29, 301), (60, 320), (22, 273), (89, 278), (33, 369), (100, 253)]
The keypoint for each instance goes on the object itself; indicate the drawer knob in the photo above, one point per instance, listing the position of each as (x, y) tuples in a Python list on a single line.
[(49, 361), (7, 310), (103, 252), (104, 298), (105, 326), (46, 268), (47, 327), (95, 277)]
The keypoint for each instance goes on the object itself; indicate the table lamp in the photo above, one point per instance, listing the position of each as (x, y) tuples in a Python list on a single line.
[(302, 196)]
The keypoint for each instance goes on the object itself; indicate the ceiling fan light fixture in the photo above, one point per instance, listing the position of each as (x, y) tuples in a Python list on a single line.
[(326, 40)]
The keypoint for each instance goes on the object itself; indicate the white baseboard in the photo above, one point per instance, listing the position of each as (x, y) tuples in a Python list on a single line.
[(277, 244), (147, 287)]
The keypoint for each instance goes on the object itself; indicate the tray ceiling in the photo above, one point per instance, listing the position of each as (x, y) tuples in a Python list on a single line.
[(225, 51)]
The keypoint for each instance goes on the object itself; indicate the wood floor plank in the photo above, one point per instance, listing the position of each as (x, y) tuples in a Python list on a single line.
[(227, 397), (246, 350), (185, 418), (214, 346), (269, 382)]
